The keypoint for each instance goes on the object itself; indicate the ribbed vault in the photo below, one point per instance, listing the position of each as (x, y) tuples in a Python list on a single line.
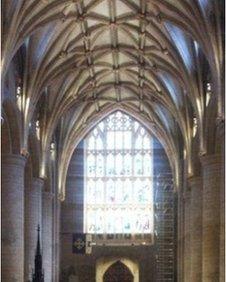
[(86, 58)]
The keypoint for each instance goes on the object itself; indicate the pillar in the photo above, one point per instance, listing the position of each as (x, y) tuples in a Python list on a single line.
[(56, 239), (220, 142), (12, 217), (33, 218), (47, 236), (195, 184), (222, 222), (187, 251), (211, 170)]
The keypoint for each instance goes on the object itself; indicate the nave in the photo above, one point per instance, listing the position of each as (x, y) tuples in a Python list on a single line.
[(113, 140)]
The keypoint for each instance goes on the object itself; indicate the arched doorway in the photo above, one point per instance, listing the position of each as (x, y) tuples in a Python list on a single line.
[(118, 272), (123, 266)]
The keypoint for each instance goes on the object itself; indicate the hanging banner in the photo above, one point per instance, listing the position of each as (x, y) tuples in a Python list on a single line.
[(81, 243)]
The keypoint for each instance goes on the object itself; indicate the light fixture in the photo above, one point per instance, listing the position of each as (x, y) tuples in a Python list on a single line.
[(52, 150), (37, 127), (52, 147), (195, 126), (208, 93), (18, 91)]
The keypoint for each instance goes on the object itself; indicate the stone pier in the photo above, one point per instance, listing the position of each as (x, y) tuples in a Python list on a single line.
[(211, 173), (12, 224)]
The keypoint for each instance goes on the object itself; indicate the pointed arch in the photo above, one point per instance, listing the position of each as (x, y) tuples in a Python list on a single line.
[(119, 271), (103, 264), (78, 134)]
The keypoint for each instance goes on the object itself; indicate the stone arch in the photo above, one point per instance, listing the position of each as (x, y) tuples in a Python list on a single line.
[(80, 134), (103, 264)]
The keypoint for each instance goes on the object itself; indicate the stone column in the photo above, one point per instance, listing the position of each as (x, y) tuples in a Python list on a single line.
[(195, 184), (187, 244), (56, 231), (47, 236), (221, 143), (33, 218), (222, 223), (12, 217), (211, 170)]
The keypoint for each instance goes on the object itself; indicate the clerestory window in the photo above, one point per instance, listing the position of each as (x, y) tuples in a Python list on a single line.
[(118, 177)]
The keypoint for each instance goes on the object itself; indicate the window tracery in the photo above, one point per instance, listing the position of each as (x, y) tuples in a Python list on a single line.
[(118, 177)]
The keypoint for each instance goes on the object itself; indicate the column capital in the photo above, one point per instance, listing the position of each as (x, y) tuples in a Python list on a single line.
[(213, 159), (13, 159), (24, 152), (38, 180), (61, 196), (37, 185)]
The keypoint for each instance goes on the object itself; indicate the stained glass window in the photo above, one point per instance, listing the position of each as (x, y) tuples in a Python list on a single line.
[(118, 172)]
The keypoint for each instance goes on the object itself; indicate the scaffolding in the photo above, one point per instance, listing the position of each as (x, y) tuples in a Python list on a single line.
[(165, 228)]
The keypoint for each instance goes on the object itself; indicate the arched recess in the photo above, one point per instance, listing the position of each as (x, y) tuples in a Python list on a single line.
[(103, 264)]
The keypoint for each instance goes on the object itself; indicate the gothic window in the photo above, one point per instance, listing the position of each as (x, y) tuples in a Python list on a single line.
[(118, 170)]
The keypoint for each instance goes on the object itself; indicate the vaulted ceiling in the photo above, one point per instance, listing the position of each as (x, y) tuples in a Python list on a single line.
[(82, 59)]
